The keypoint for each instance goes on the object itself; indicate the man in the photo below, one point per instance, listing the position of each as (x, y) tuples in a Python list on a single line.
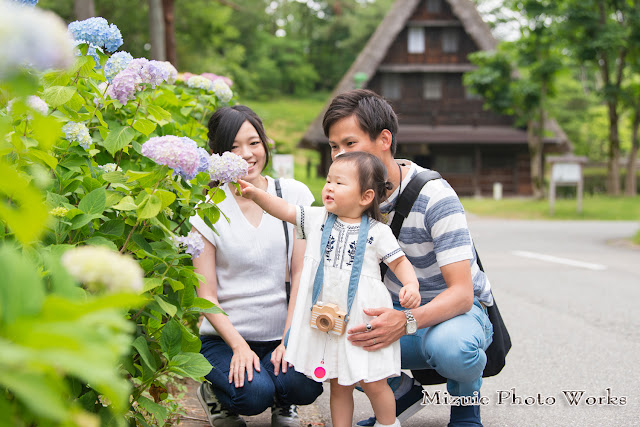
[(453, 329)]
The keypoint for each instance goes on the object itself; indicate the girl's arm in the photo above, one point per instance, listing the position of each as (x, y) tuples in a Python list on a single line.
[(205, 265), (273, 205), (410, 293)]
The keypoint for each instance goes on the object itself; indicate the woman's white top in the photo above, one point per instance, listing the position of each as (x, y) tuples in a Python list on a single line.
[(251, 265), (309, 348)]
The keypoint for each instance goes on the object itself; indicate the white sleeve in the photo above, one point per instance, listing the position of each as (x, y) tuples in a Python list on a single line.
[(386, 244), (206, 231), (309, 219)]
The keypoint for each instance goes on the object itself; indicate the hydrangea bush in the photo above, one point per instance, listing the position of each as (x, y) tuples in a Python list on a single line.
[(100, 169)]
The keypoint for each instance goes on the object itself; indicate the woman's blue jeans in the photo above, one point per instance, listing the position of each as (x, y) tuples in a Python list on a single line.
[(259, 394), (455, 348)]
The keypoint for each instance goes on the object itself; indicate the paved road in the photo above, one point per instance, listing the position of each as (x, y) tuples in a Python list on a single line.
[(575, 326), (569, 293)]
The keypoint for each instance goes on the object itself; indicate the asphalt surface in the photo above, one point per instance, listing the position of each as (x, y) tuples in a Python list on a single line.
[(568, 292)]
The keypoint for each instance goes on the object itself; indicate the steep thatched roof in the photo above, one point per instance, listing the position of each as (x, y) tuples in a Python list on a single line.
[(376, 49)]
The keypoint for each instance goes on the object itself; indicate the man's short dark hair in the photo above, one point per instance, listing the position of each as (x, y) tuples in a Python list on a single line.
[(372, 112)]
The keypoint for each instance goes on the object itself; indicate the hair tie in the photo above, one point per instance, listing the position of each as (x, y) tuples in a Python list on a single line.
[(388, 185)]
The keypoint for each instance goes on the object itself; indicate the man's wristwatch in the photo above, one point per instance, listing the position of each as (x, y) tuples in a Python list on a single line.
[(412, 325)]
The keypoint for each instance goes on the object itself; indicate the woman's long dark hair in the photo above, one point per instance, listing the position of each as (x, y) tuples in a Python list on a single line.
[(372, 175), (224, 124)]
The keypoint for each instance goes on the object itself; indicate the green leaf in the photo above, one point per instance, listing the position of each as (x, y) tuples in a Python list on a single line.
[(141, 241), (114, 227), (175, 284), (192, 365), (171, 339), (41, 394), (115, 177), (167, 197), (136, 175), (94, 202), (158, 411), (101, 241), (151, 283), (55, 96), (144, 126), (161, 115), (126, 204), (170, 309), (81, 220), (22, 291), (118, 138), (150, 207), (190, 342), (141, 345), (44, 157)]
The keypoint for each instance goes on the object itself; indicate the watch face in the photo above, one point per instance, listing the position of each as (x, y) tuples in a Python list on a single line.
[(412, 327)]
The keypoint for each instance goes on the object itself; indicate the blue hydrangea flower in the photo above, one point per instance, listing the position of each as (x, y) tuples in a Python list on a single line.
[(116, 63), (179, 153), (77, 132), (192, 243), (98, 32), (92, 52), (227, 168), (26, 2)]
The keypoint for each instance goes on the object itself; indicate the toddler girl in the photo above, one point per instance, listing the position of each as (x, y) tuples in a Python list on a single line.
[(341, 276)]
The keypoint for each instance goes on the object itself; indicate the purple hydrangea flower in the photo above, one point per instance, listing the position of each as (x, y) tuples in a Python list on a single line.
[(199, 82), (203, 166), (173, 73), (192, 242), (179, 153), (116, 63), (227, 168), (33, 38), (98, 32), (222, 90), (140, 72), (77, 132)]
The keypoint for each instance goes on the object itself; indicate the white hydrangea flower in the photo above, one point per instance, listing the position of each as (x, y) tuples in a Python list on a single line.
[(99, 268)]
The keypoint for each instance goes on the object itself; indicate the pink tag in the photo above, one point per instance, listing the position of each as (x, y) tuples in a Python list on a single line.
[(319, 373)]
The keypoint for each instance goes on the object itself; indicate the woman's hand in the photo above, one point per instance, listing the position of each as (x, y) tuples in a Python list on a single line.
[(244, 359), (277, 359)]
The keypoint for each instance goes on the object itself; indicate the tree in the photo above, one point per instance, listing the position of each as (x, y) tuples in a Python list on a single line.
[(522, 92), (157, 30), (602, 33)]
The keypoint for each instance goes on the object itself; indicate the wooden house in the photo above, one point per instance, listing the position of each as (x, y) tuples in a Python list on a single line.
[(416, 59)]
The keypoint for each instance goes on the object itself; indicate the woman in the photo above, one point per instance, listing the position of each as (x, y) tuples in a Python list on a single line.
[(244, 266)]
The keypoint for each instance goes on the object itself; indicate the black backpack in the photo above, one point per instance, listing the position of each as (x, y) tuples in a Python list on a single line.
[(497, 351)]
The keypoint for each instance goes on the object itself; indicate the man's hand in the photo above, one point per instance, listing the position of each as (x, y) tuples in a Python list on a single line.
[(386, 328)]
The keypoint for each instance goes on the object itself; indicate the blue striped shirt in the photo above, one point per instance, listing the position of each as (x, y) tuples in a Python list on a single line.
[(434, 234)]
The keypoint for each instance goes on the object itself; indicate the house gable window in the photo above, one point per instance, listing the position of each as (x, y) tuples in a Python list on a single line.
[(432, 86), (415, 40), (391, 86), (434, 6), (450, 40)]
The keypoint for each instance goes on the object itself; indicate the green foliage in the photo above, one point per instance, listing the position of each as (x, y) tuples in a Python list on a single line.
[(71, 354)]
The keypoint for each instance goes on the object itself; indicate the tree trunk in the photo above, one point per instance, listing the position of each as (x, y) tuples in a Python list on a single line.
[(170, 32), (84, 9), (613, 178), (535, 156), (632, 163), (156, 30)]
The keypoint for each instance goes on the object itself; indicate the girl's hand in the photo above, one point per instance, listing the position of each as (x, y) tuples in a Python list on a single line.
[(409, 296), (248, 189), (244, 359), (277, 360)]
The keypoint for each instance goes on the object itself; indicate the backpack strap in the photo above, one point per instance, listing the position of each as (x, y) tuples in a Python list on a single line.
[(405, 202), (287, 282)]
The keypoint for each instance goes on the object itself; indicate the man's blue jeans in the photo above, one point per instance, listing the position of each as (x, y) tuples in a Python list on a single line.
[(454, 348), (259, 394)]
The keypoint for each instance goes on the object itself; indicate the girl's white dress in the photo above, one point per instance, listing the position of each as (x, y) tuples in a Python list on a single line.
[(308, 346)]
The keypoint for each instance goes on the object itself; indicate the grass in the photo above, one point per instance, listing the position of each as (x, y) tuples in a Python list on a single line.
[(598, 207), (286, 119)]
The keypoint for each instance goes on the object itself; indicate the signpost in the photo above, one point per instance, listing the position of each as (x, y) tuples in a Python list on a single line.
[(566, 171)]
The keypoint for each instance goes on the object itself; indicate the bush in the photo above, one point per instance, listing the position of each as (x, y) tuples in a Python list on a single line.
[(88, 336)]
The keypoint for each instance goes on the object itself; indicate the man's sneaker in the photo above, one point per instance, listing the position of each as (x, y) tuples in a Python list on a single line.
[(407, 405), (216, 414), (283, 415), (465, 416)]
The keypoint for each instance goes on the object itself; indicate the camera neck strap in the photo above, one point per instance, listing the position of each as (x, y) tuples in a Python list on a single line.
[(356, 267)]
